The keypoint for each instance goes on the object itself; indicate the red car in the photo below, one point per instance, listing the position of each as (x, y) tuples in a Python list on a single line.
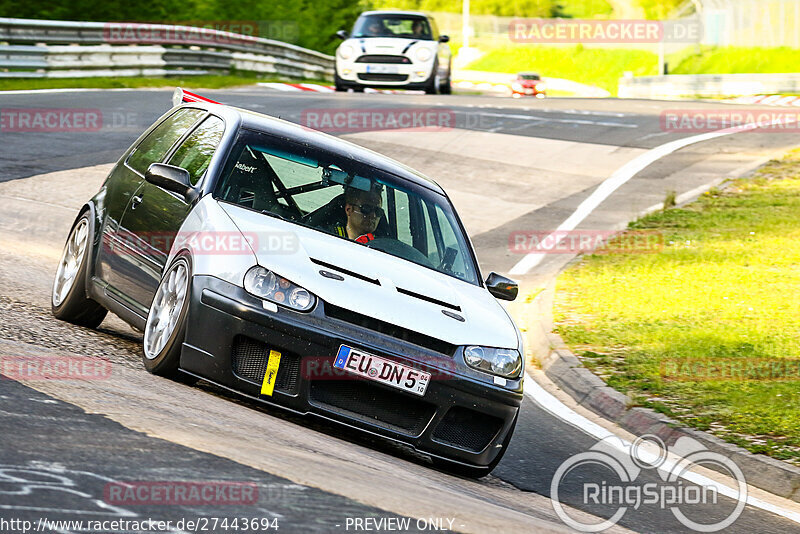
[(528, 84)]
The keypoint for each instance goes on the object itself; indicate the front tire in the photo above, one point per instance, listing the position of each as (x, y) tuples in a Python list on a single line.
[(165, 329), (69, 301), (446, 88)]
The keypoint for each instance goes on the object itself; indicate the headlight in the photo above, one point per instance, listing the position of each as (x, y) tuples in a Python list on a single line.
[(423, 54), (516, 86), (540, 87), (345, 51), (265, 284), (501, 362)]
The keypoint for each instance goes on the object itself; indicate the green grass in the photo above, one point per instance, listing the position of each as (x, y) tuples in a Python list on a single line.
[(601, 67), (723, 289), (730, 60), (206, 82), (586, 9)]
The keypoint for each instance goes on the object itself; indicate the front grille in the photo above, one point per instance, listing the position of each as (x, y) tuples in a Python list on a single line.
[(378, 58), (389, 329), (467, 429), (374, 77), (374, 404), (249, 362)]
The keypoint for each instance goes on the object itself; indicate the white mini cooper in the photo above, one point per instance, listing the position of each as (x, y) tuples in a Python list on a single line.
[(394, 49)]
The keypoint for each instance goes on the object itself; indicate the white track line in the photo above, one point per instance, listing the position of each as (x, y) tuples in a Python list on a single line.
[(558, 409), (566, 121), (616, 180)]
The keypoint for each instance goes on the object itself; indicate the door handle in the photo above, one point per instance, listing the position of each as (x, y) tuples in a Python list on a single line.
[(135, 201)]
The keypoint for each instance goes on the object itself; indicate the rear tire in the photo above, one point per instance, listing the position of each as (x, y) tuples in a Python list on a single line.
[(165, 329), (69, 301)]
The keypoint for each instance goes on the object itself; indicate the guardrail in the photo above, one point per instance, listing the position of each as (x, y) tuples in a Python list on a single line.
[(710, 85), (63, 49)]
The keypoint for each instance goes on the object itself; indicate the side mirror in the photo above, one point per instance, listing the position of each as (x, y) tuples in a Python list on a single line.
[(343, 35), (169, 177), (501, 287), (444, 38)]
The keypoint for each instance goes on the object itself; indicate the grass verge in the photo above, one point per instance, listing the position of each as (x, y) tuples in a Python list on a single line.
[(708, 329), (603, 67), (206, 82)]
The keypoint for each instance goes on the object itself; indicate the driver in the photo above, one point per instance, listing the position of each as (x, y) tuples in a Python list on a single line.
[(363, 211)]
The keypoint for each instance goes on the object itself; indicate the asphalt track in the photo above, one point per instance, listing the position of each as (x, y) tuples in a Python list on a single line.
[(509, 165)]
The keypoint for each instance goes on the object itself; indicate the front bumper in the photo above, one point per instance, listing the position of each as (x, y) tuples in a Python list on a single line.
[(463, 415), (415, 75)]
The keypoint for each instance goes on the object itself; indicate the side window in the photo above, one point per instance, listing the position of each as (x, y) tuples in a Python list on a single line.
[(195, 153), (450, 240), (155, 146)]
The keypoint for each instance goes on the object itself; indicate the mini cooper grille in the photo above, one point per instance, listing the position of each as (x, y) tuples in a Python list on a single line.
[(467, 429), (249, 361), (374, 77), (377, 58), (373, 404), (389, 329)]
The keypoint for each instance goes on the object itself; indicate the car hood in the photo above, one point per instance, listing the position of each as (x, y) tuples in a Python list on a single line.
[(299, 254), (389, 46)]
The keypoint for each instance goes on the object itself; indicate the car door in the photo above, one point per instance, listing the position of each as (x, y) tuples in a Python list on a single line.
[(155, 215), (123, 183)]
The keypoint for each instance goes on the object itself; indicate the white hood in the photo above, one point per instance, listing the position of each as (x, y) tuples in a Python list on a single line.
[(486, 322), (389, 46)]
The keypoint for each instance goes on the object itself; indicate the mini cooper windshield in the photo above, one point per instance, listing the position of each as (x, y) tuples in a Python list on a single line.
[(393, 25), (342, 197)]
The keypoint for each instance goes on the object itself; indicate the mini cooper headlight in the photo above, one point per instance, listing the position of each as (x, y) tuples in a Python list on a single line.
[(501, 362), (345, 51), (517, 86), (423, 54), (265, 284)]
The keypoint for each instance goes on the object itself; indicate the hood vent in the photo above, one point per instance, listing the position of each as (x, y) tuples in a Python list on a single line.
[(428, 299), (345, 271), (389, 329)]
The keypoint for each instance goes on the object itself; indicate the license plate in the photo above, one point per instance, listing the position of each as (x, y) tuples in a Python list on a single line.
[(382, 370), (381, 69)]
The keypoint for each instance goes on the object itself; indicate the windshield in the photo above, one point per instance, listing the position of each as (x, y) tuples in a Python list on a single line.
[(347, 199), (389, 25), (529, 77)]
